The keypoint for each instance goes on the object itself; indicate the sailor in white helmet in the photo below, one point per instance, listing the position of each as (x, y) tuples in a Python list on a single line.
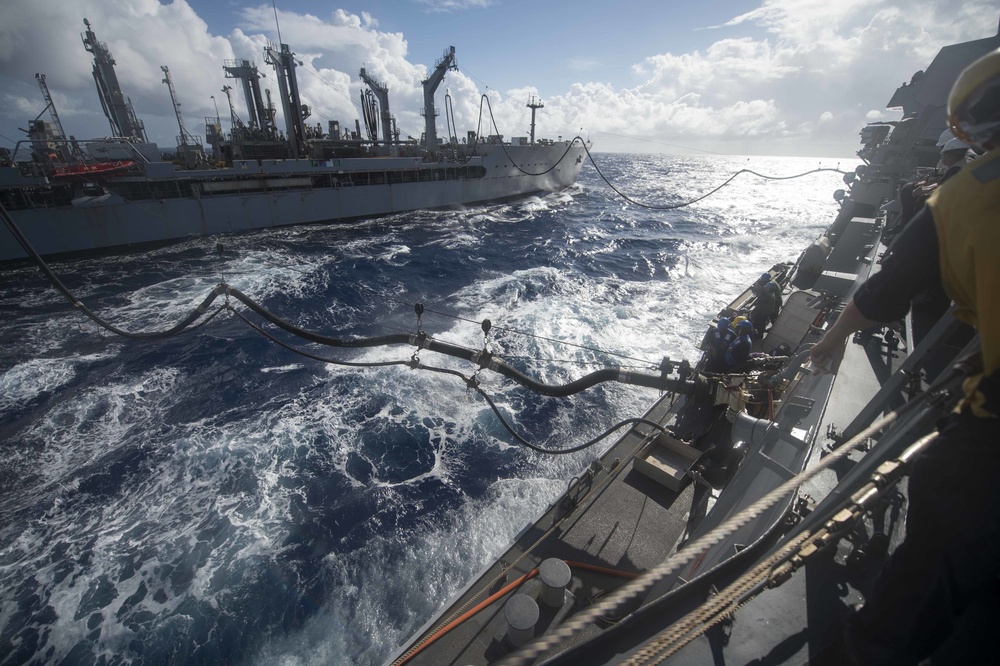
[(945, 137), (956, 153)]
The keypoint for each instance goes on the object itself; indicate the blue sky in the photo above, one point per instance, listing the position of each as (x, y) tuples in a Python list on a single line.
[(729, 76)]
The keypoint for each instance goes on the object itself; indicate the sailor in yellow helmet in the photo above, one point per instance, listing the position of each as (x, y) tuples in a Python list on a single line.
[(949, 557)]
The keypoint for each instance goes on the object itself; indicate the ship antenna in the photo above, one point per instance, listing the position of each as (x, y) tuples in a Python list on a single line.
[(277, 27)]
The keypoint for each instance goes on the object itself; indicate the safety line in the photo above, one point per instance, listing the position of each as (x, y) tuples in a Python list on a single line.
[(696, 548)]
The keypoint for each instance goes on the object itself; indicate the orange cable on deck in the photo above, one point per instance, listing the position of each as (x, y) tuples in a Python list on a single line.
[(500, 593)]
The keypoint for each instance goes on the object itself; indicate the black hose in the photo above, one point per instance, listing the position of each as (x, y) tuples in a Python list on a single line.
[(485, 360), (185, 323)]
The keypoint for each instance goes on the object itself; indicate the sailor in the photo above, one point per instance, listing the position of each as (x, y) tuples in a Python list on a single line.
[(768, 303), (955, 154), (739, 350), (719, 339), (945, 137), (950, 554)]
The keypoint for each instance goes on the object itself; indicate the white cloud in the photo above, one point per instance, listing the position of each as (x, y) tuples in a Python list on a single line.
[(786, 77), (816, 59), (454, 5)]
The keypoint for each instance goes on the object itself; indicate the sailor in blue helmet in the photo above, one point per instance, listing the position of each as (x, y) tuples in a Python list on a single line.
[(719, 339), (739, 351), (768, 303)]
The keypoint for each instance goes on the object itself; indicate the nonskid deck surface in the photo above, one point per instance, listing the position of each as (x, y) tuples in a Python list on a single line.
[(622, 519), (625, 523)]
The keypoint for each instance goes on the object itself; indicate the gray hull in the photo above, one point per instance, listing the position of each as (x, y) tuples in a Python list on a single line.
[(285, 192)]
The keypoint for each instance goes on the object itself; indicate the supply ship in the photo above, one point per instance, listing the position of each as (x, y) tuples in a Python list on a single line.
[(749, 511), (76, 196)]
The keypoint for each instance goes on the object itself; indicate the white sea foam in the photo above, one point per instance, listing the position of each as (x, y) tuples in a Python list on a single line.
[(130, 492)]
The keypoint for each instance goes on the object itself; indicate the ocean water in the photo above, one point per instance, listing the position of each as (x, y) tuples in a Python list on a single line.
[(217, 498)]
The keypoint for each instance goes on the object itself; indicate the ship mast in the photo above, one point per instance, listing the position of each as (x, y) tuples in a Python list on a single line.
[(431, 84), (381, 92), (533, 104), (116, 107)]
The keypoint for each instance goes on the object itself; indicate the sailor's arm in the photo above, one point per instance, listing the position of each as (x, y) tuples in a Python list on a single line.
[(829, 351), (910, 268)]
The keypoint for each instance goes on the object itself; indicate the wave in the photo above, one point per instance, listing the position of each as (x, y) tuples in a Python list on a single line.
[(218, 498)]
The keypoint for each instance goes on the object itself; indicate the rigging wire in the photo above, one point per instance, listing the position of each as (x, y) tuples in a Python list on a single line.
[(710, 192), (662, 143), (622, 194), (696, 548), (185, 323), (188, 321), (484, 358), (507, 329), (470, 382)]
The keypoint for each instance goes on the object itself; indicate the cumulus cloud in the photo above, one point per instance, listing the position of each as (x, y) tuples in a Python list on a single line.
[(792, 76), (813, 56)]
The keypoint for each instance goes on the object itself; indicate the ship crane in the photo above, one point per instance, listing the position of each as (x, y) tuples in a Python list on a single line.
[(49, 139), (381, 92), (431, 84), (117, 107), (50, 105), (185, 138), (284, 62), (237, 129), (246, 71)]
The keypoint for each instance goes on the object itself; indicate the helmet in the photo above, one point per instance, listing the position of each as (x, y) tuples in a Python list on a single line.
[(723, 323), (772, 286), (945, 137), (974, 102), (744, 327), (955, 144), (764, 277), (735, 324)]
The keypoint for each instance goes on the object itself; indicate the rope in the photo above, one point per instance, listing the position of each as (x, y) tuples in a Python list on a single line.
[(622, 194), (707, 194), (185, 323), (738, 593), (469, 381), (574, 449), (698, 547), (416, 647)]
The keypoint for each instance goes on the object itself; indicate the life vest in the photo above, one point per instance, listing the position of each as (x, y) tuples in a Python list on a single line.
[(738, 352), (720, 340), (966, 212)]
